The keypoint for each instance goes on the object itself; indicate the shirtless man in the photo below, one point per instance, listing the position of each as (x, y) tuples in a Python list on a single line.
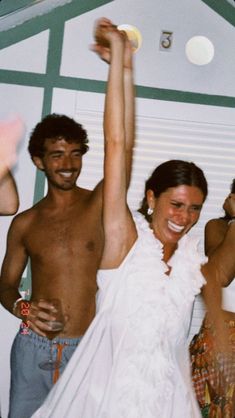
[(217, 395), (63, 238)]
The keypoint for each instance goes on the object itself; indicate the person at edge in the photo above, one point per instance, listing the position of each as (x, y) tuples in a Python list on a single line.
[(11, 132), (62, 236), (133, 361), (214, 376)]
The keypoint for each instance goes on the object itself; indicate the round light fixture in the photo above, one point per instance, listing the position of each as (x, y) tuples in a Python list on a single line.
[(199, 50), (133, 35)]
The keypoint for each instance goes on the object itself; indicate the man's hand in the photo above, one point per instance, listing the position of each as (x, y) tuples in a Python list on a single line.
[(106, 32), (39, 313)]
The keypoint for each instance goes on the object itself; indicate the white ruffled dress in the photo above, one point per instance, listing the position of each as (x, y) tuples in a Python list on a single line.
[(133, 361)]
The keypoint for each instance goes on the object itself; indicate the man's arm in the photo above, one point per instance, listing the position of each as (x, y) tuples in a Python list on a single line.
[(35, 313), (12, 268)]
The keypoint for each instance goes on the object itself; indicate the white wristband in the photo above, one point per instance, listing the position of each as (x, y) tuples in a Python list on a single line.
[(232, 220), (15, 304)]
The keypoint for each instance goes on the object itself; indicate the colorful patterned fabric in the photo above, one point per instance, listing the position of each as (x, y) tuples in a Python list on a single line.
[(213, 373)]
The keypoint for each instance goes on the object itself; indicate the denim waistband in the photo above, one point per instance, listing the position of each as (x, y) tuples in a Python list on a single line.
[(45, 341)]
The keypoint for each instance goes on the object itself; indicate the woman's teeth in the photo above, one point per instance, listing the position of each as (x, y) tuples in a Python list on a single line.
[(174, 227)]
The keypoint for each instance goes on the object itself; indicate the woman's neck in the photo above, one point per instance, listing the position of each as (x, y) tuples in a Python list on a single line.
[(168, 248), (168, 251)]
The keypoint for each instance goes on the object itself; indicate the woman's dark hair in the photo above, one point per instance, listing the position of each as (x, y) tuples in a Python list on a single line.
[(173, 173), (56, 127), (228, 217), (233, 186)]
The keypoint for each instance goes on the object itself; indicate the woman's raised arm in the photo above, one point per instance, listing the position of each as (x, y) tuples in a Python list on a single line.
[(113, 46)]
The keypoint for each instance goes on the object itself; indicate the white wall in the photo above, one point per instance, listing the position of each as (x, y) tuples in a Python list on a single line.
[(156, 68)]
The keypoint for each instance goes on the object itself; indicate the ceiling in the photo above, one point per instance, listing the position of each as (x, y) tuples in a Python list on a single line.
[(14, 12), (232, 2), (9, 6)]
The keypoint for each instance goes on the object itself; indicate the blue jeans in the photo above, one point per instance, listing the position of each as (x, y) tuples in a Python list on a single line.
[(30, 384)]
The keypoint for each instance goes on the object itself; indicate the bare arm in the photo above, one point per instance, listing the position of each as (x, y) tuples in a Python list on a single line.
[(10, 134), (212, 296), (220, 248), (118, 225), (14, 263), (9, 200), (219, 270), (220, 243), (129, 105), (13, 266), (102, 48)]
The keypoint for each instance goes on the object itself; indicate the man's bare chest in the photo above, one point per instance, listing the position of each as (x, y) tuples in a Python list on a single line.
[(64, 236)]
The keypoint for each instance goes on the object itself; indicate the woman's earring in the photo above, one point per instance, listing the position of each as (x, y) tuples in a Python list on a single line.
[(150, 211)]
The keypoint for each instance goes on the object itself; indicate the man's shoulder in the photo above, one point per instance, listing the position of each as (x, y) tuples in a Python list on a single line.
[(216, 227), (24, 216), (216, 221), (91, 194)]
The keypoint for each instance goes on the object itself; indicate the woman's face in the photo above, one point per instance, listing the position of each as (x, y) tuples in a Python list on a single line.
[(175, 211)]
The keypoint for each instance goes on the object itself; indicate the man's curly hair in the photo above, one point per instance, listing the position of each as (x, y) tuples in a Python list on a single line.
[(56, 127)]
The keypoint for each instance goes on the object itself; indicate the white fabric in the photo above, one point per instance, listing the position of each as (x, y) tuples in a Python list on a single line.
[(133, 361), (229, 297)]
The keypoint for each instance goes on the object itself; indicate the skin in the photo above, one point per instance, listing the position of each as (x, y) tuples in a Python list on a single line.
[(10, 134), (9, 199), (219, 234), (174, 213), (62, 234)]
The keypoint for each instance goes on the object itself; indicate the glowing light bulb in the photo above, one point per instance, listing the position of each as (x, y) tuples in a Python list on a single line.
[(133, 35), (199, 50)]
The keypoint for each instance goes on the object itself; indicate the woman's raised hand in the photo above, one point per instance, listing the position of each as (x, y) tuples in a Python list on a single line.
[(105, 33)]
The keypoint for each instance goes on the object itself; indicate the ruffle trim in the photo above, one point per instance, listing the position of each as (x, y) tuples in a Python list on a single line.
[(146, 354), (146, 273)]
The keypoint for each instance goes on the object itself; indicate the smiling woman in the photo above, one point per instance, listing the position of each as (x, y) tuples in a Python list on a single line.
[(175, 193)]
